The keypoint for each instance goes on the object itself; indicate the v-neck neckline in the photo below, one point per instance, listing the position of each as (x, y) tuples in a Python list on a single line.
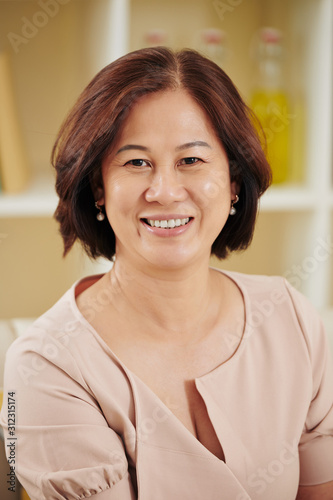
[(137, 380)]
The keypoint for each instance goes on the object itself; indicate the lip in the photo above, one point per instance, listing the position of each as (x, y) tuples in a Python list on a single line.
[(166, 216), (167, 233)]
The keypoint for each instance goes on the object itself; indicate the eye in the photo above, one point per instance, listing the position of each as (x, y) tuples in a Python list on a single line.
[(138, 163), (191, 160)]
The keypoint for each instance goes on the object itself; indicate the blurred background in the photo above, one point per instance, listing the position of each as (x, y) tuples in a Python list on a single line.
[(279, 53)]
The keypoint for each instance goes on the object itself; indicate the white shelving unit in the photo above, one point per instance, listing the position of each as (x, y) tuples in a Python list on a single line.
[(305, 211), (38, 200), (288, 198)]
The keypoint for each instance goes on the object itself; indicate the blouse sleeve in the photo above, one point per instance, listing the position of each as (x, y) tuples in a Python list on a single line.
[(316, 443), (61, 443)]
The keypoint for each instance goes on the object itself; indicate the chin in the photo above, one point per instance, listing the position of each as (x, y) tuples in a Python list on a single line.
[(172, 260)]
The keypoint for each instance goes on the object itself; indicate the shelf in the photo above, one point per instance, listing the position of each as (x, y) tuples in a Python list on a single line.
[(288, 198), (38, 200)]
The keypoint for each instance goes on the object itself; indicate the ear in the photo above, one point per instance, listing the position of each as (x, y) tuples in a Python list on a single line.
[(234, 188), (97, 187), (99, 196)]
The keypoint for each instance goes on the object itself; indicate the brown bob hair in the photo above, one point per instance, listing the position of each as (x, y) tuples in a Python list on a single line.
[(94, 122)]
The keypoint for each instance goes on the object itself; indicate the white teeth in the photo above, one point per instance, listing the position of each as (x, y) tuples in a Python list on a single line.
[(168, 223)]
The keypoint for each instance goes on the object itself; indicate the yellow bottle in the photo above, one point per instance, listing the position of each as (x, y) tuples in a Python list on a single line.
[(270, 103)]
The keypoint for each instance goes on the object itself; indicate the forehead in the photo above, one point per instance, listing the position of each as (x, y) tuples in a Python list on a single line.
[(171, 111)]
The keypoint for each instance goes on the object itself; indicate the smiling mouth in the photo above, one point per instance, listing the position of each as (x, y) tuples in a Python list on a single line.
[(167, 223)]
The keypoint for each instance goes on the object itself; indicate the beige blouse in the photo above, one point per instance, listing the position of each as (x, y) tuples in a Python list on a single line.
[(86, 426)]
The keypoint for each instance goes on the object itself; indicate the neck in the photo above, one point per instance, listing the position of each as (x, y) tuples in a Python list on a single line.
[(176, 302)]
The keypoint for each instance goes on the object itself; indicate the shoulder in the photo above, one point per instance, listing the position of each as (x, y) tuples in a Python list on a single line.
[(259, 287), (253, 282), (274, 288), (274, 305), (51, 340), (62, 343), (275, 298)]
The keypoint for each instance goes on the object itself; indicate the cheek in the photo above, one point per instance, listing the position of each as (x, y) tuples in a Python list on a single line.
[(211, 191), (214, 189), (120, 191), (116, 203), (122, 200)]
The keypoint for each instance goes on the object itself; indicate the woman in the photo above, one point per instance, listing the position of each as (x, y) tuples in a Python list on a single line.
[(164, 378)]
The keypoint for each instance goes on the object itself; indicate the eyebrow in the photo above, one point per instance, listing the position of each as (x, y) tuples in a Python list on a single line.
[(193, 144), (187, 145), (132, 146)]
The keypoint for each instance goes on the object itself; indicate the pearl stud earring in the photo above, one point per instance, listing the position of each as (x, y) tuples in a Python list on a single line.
[(232, 209), (100, 216)]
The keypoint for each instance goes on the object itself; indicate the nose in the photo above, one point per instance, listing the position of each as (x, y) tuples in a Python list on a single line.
[(166, 187)]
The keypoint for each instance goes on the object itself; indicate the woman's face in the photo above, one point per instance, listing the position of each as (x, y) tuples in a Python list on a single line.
[(167, 190)]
